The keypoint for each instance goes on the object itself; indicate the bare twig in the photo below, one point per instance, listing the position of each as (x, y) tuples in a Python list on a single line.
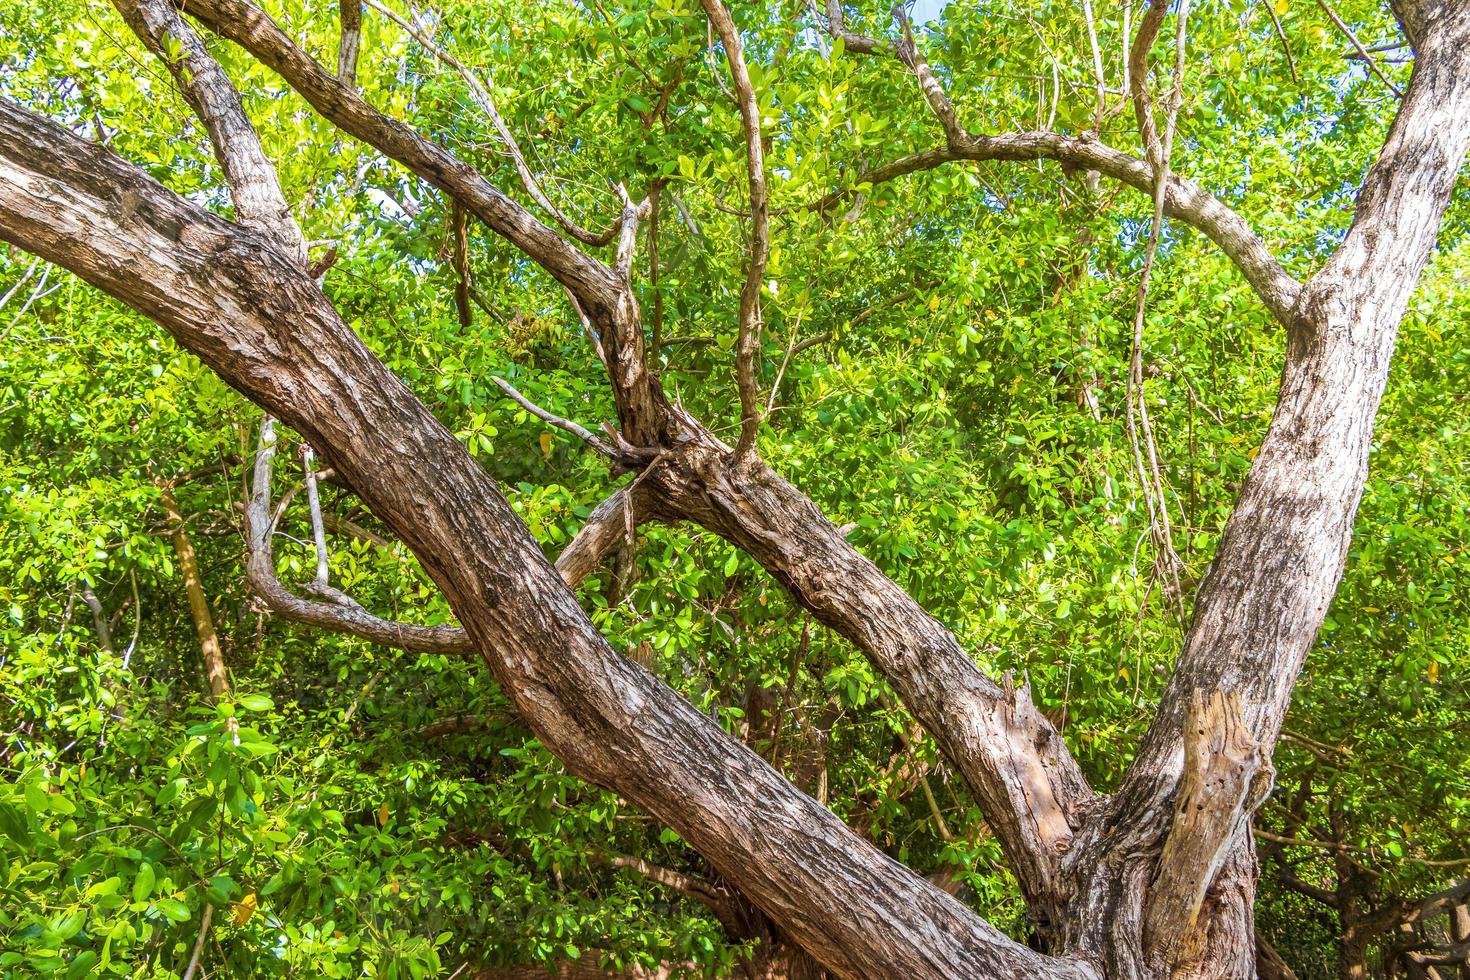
[(1363, 52)]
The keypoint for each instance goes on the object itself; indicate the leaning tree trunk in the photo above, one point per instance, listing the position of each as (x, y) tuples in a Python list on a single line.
[(1157, 880), (257, 318), (1278, 564)]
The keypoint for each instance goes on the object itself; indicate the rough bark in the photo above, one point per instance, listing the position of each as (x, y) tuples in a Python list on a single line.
[(257, 318), (994, 736), (1107, 878), (1279, 561)]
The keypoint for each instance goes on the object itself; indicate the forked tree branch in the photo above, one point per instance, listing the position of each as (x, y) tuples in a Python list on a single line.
[(1030, 787), (262, 323), (254, 186)]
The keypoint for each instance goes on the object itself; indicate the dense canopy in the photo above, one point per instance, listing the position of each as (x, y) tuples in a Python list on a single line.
[(646, 264)]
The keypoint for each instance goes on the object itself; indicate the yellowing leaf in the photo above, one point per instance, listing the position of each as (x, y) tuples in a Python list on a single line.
[(1280, 7), (383, 815), (1434, 671), (244, 909), (547, 440)]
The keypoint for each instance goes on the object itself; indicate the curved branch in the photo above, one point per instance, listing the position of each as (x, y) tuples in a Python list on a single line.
[(1185, 200), (338, 613)]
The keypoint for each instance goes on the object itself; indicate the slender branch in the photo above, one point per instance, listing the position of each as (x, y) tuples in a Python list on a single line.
[(749, 343), (1145, 455), (1143, 103), (1281, 36), (856, 43), (199, 943), (341, 617), (247, 25), (462, 289), (99, 619), (1358, 46), (314, 505), (566, 425), (1184, 199), (908, 53), (214, 663)]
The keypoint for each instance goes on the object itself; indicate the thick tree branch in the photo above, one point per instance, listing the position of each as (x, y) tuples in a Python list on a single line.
[(597, 291), (1267, 592), (1225, 778), (261, 323), (349, 13), (254, 187)]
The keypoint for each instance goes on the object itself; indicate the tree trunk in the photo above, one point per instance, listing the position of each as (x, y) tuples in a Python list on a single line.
[(1157, 880), (259, 320)]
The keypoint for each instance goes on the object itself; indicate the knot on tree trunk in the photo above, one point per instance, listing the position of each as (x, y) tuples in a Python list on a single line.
[(1226, 776)]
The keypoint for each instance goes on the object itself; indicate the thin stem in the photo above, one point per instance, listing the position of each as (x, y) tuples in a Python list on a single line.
[(749, 343)]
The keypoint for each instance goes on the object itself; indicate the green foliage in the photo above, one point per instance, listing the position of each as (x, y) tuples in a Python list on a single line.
[(328, 816)]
